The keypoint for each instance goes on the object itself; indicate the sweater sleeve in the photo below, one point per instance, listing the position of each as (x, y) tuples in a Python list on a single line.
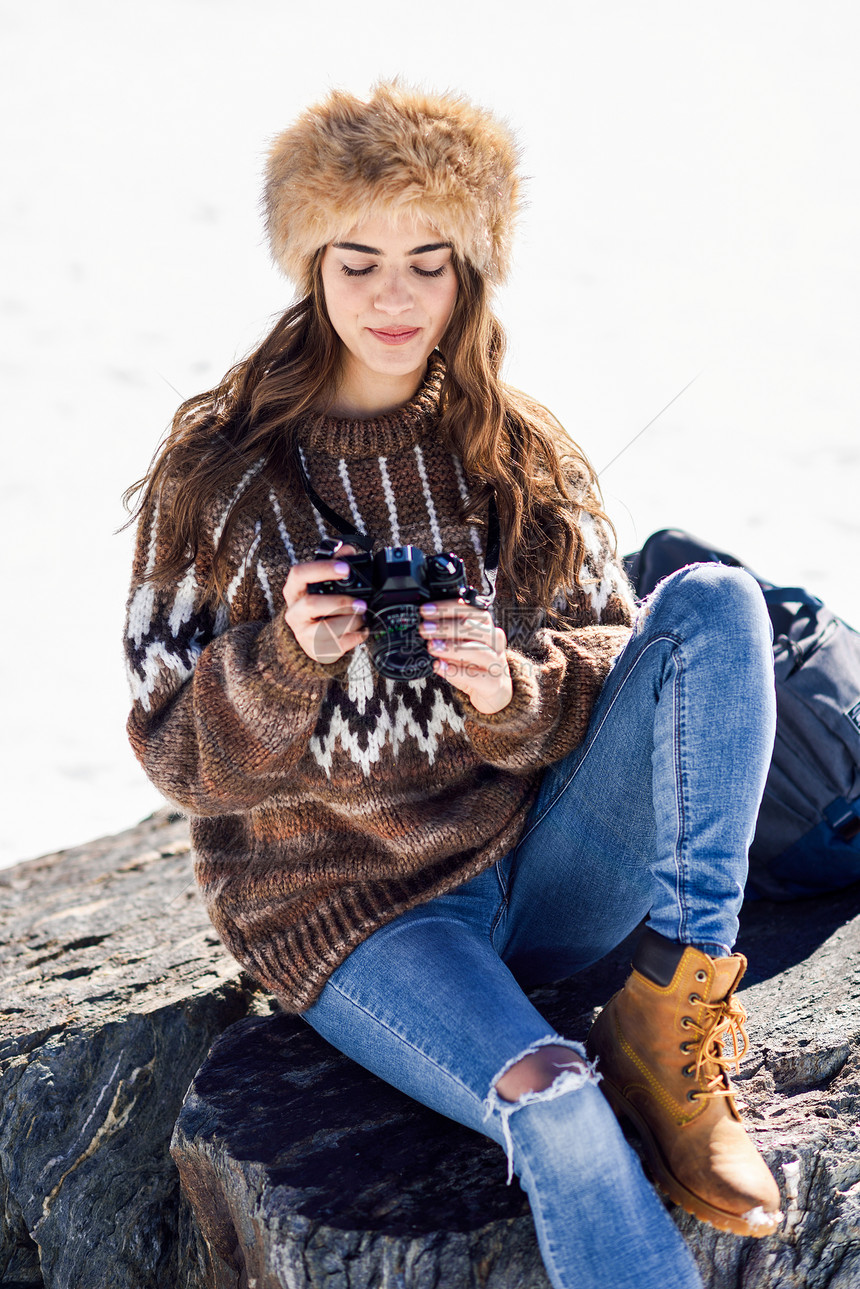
[(558, 672), (220, 712)]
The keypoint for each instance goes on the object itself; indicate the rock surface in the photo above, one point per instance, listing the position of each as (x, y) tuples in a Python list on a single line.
[(112, 987), (292, 1187), (303, 1170)]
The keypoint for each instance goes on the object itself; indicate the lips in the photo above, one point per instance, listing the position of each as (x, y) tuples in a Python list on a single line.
[(395, 335)]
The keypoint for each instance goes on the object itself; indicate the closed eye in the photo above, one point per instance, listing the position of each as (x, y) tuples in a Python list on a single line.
[(421, 272)]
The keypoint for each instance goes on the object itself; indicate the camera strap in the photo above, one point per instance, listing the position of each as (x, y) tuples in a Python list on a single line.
[(366, 541)]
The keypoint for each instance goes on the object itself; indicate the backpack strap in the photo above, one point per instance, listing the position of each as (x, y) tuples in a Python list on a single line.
[(844, 818), (790, 595)]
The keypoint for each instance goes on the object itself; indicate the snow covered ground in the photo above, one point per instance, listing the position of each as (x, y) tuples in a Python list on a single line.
[(693, 213)]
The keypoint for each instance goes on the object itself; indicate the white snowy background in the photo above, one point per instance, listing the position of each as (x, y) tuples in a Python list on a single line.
[(693, 212)]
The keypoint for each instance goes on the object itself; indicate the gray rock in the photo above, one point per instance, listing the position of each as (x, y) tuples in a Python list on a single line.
[(300, 1169), (113, 987), (304, 1171)]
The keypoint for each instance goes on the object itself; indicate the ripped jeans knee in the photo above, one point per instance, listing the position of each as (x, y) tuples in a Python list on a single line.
[(570, 1079)]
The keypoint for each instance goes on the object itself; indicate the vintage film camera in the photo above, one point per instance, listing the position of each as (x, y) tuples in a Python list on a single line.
[(395, 582)]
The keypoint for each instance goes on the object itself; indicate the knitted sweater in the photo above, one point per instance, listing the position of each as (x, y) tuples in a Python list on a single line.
[(324, 800)]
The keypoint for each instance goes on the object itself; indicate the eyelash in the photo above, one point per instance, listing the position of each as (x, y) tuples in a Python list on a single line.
[(421, 272)]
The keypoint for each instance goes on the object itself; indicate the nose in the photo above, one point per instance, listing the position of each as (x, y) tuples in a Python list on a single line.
[(393, 295)]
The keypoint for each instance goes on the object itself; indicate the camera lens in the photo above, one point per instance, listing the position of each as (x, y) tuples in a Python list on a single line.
[(396, 649)]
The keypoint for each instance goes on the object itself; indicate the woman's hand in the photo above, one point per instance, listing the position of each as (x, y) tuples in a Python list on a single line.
[(325, 626), (469, 651)]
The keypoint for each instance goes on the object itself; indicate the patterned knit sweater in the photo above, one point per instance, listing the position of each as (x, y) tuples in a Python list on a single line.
[(324, 800)]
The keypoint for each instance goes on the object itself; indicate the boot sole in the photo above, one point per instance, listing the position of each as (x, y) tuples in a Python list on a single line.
[(666, 1181)]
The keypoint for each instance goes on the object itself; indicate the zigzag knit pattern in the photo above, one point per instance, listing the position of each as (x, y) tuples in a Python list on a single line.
[(326, 800)]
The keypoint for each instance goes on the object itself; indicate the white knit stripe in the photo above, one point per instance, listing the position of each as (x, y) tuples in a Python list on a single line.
[(360, 678), (153, 537), (597, 563), (317, 517), (143, 601), (282, 529), (428, 498), (464, 494), (263, 579), (183, 602), (140, 612), (144, 677), (240, 488), (350, 495), (393, 726), (242, 571), (389, 498), (622, 586)]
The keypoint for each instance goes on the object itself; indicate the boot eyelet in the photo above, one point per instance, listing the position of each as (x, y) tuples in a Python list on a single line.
[(686, 1022), (701, 976), (685, 1048), (687, 1071), (694, 998), (692, 1095)]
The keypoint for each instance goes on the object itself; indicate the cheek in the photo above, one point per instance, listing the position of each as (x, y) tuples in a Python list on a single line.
[(340, 301), (446, 305)]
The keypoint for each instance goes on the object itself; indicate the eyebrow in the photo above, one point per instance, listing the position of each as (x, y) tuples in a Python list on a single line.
[(373, 250)]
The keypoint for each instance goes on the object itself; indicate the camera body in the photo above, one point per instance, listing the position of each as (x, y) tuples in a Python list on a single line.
[(395, 582)]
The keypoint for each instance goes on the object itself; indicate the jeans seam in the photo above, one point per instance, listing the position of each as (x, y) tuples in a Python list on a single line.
[(504, 900), (503, 886), (675, 641), (496, 921), (678, 755)]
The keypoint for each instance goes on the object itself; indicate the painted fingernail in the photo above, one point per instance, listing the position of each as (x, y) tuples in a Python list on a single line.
[(340, 567), (438, 644), (359, 606), (440, 664), (429, 627), (428, 610)]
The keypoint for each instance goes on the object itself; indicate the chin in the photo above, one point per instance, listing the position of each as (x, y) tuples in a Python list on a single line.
[(397, 363)]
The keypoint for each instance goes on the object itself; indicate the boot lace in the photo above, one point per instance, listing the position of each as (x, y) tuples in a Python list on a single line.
[(722, 1020)]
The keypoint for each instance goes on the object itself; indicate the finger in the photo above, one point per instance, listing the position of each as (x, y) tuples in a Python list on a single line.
[(314, 607), (462, 631), (465, 678), (455, 612), (459, 632), (332, 637), (469, 652), (338, 622), (339, 628), (300, 576), (305, 621), (454, 609)]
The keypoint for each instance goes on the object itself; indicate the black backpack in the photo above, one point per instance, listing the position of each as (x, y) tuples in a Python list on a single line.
[(807, 838)]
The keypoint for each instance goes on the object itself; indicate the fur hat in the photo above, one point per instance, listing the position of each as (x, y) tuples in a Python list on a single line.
[(406, 153)]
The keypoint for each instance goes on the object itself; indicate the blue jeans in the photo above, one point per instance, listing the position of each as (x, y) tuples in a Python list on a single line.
[(650, 817)]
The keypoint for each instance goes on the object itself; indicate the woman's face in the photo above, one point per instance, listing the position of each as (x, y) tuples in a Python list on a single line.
[(390, 291)]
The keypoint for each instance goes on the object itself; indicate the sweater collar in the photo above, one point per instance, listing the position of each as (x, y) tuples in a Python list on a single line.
[(380, 435)]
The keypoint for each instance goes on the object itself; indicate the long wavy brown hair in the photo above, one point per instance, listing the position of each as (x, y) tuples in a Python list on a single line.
[(508, 444)]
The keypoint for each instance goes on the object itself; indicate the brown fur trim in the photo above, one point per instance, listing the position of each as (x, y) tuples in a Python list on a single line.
[(407, 153)]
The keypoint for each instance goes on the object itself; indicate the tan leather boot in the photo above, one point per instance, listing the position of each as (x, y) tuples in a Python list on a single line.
[(659, 1043)]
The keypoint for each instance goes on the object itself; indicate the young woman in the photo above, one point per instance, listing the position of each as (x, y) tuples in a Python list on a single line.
[(399, 857)]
